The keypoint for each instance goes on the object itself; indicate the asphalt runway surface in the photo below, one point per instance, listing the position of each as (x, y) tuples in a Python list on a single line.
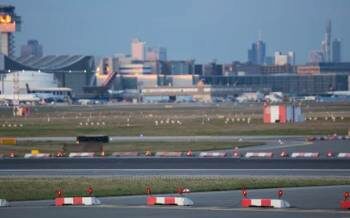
[(167, 138), (310, 173), (194, 166), (172, 163), (173, 166), (305, 202)]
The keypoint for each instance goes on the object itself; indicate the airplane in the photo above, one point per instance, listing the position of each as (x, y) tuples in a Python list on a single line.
[(51, 94)]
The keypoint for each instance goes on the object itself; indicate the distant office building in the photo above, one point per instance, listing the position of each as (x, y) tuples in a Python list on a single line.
[(137, 50), (135, 69), (156, 54), (32, 48), (269, 60), (212, 69), (284, 59), (316, 57), (9, 23), (256, 55), (198, 69), (336, 51), (323, 68), (228, 70), (178, 67)]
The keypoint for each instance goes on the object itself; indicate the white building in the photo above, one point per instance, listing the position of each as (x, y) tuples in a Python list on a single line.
[(284, 59), (19, 79), (138, 50)]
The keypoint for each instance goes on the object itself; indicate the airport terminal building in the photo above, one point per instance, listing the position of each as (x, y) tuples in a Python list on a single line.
[(71, 71)]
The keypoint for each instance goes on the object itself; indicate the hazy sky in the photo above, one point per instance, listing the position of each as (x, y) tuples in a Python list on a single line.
[(199, 29)]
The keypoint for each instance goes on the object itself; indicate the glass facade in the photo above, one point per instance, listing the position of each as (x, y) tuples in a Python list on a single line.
[(292, 84)]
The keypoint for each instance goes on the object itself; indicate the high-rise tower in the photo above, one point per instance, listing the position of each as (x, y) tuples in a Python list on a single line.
[(336, 50), (9, 23), (138, 50), (326, 43), (257, 53)]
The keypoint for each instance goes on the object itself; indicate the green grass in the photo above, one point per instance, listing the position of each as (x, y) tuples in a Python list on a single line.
[(44, 188), (53, 147), (133, 121)]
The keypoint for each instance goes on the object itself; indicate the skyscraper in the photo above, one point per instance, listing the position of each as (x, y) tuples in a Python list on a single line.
[(32, 48), (156, 54), (336, 50), (138, 50), (257, 53), (326, 43)]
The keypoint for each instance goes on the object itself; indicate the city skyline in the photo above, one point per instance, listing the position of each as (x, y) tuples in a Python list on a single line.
[(106, 28)]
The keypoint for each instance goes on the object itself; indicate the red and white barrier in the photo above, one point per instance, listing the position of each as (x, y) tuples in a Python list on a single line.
[(274, 203), (179, 201), (305, 154), (168, 154), (39, 155), (4, 203), (77, 201), (345, 204), (236, 154), (343, 155), (284, 154), (125, 154), (189, 153), (81, 154), (212, 154), (259, 154)]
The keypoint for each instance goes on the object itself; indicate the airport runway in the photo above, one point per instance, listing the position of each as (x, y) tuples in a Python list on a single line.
[(167, 138), (306, 202), (172, 163), (231, 173), (173, 166)]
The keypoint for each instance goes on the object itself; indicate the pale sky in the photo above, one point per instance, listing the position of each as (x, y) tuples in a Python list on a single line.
[(200, 29)]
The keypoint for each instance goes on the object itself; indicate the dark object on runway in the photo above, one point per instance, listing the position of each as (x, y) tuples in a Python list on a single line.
[(103, 139)]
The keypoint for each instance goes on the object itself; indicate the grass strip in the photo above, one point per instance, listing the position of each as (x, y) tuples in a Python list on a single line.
[(24, 188)]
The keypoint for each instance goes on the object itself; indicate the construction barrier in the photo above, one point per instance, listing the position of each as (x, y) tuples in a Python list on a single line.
[(7, 141), (125, 154), (4, 203), (305, 154), (272, 203), (212, 154), (189, 153), (168, 154), (264, 202), (343, 155), (179, 201), (259, 154), (61, 201), (236, 154), (329, 154), (284, 154), (81, 154), (39, 155)]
